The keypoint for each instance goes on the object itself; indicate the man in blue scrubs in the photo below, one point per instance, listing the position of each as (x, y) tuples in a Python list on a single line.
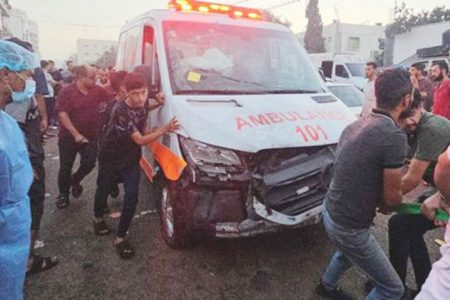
[(16, 174)]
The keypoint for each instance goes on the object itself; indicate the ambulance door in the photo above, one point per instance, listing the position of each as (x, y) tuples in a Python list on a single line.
[(148, 61)]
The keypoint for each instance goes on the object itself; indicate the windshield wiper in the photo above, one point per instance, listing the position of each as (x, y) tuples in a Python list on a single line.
[(298, 91), (212, 72), (216, 92)]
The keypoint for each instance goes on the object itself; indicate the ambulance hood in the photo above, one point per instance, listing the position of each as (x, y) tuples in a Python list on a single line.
[(251, 123)]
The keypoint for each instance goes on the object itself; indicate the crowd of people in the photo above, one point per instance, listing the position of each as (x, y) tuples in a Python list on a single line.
[(100, 115), (396, 131), (400, 142)]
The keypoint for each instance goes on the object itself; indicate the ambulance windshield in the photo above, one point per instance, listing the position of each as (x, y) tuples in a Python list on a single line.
[(213, 58)]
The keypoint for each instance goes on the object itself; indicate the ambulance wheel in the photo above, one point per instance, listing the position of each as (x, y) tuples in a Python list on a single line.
[(174, 227)]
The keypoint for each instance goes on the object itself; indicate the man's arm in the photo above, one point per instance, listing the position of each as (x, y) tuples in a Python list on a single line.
[(392, 194), (42, 109), (159, 101), (414, 175), (65, 121), (442, 174), (142, 140)]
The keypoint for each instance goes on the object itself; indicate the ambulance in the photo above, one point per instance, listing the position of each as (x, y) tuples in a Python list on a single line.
[(259, 129)]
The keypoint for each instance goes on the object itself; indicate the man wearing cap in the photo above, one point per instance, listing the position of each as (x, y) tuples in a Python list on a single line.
[(16, 174)]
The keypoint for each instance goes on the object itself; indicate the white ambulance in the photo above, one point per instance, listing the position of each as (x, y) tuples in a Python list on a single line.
[(258, 128)]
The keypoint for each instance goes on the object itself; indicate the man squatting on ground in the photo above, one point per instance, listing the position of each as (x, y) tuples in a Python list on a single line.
[(429, 135)]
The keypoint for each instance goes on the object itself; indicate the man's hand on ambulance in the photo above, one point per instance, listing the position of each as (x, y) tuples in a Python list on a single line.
[(160, 98), (173, 125)]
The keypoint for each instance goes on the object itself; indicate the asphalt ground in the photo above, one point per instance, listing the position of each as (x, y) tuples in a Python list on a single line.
[(284, 265)]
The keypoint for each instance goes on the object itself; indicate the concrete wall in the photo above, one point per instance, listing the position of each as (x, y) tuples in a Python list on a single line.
[(423, 36)]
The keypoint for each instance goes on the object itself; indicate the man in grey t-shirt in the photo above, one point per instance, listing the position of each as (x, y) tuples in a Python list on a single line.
[(367, 176)]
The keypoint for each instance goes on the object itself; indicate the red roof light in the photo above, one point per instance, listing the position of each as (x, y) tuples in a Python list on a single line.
[(207, 7)]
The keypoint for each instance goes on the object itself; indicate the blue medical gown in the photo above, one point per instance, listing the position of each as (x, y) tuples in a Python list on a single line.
[(16, 176)]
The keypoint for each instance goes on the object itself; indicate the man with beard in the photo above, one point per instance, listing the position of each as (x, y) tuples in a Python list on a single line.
[(422, 84), (439, 73), (429, 137), (369, 89), (79, 105), (374, 147)]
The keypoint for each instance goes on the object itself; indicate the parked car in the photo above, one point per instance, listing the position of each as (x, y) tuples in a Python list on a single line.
[(349, 94), (345, 68)]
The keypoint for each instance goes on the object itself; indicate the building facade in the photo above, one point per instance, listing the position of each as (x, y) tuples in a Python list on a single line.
[(358, 39), (406, 44), (89, 51), (18, 25), (4, 13)]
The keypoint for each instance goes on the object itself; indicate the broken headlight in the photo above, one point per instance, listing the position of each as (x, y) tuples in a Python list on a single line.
[(210, 159)]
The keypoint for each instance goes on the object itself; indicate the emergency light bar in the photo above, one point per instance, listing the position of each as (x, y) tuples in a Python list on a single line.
[(216, 8)]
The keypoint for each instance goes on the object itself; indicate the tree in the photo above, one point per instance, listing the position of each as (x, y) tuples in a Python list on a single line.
[(73, 57), (313, 36), (270, 17), (108, 58), (405, 19)]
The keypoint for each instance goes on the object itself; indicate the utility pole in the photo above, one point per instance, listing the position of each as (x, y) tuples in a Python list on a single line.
[(338, 42)]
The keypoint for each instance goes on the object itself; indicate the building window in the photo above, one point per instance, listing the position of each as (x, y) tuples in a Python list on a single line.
[(354, 43)]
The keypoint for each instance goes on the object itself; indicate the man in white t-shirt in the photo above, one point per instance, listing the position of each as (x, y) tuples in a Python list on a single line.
[(50, 97), (369, 102), (437, 286)]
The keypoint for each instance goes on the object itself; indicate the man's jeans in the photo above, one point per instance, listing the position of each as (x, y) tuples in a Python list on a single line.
[(68, 150), (359, 247), (108, 176)]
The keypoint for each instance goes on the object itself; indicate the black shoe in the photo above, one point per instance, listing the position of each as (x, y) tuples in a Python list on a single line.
[(114, 191), (336, 294), (77, 190), (62, 201)]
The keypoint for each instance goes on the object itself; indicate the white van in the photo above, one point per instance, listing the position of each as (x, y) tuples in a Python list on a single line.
[(256, 147), (345, 68)]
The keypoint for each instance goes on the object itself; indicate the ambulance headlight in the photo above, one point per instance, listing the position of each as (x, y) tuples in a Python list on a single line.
[(201, 154)]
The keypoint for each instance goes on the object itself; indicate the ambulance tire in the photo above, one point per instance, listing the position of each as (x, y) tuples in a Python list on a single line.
[(173, 219)]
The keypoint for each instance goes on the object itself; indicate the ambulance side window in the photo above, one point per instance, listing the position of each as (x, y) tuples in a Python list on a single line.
[(149, 56), (121, 51), (131, 48)]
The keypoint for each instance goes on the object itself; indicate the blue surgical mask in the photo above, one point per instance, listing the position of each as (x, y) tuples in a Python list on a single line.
[(27, 93)]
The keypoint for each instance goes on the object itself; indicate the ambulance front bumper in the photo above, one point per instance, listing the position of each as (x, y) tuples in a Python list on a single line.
[(249, 228)]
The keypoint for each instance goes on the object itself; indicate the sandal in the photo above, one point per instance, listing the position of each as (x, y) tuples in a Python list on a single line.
[(100, 228), (124, 249), (62, 202), (41, 264)]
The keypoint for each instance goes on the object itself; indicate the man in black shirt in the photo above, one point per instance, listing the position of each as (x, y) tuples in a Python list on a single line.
[(119, 156), (367, 176)]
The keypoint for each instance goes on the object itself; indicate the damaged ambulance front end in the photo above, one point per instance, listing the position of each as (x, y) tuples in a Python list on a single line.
[(258, 128)]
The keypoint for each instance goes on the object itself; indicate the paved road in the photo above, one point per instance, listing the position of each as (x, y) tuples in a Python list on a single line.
[(278, 266)]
